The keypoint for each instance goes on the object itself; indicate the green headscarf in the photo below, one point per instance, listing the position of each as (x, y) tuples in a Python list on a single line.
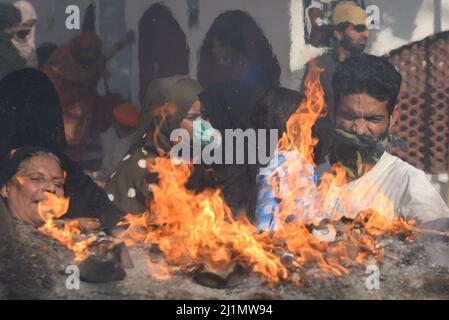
[(182, 92)]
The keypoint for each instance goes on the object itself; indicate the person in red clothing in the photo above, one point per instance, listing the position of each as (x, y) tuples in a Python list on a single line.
[(75, 69)]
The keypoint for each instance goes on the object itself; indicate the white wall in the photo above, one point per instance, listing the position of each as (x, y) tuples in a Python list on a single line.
[(271, 16), (51, 19), (405, 21), (402, 22)]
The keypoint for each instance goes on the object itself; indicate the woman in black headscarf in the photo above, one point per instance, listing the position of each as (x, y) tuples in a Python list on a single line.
[(31, 115), (230, 105), (27, 176)]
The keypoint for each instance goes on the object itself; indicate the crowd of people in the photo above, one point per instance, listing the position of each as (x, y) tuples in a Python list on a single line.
[(59, 136)]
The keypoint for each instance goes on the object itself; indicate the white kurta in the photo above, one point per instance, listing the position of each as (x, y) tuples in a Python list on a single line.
[(393, 187)]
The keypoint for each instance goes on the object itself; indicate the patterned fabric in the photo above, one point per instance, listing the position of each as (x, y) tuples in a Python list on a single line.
[(130, 187), (267, 203), (356, 153)]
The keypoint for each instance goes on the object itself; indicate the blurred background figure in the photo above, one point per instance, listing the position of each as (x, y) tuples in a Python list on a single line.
[(43, 53), (350, 36), (229, 49), (116, 140), (24, 39), (76, 69), (11, 60)]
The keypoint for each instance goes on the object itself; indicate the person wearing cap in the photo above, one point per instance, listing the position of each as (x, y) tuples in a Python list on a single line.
[(350, 39), (116, 140)]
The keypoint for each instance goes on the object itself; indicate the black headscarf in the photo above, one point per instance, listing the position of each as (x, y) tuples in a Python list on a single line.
[(229, 105), (11, 163), (31, 115), (30, 112)]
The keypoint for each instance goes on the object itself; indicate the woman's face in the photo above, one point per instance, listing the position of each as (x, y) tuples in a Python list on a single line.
[(193, 114), (36, 176)]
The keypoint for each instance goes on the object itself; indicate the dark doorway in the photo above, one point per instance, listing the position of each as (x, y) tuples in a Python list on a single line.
[(89, 19), (163, 49)]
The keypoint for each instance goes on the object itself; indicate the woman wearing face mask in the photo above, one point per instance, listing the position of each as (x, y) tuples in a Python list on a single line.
[(229, 105), (170, 103)]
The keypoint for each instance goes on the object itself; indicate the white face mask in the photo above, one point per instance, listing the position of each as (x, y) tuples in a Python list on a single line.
[(26, 45)]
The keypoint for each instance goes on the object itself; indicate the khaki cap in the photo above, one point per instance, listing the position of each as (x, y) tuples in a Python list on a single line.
[(348, 11)]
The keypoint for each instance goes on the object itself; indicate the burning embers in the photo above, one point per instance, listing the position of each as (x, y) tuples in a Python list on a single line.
[(101, 258), (67, 233), (196, 233)]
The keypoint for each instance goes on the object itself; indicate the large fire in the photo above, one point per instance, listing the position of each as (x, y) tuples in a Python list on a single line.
[(198, 229), (67, 233)]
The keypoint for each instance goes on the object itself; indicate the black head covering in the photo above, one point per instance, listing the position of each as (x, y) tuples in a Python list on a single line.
[(229, 105), (31, 115), (9, 16), (30, 112)]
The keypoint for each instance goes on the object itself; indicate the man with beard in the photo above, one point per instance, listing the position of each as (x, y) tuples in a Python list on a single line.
[(350, 38), (365, 93)]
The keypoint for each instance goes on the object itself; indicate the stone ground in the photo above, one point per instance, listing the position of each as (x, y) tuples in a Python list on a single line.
[(34, 268)]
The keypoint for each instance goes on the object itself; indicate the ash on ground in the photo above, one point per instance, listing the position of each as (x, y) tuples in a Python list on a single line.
[(34, 267)]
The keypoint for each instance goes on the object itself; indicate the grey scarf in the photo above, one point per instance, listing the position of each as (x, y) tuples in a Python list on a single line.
[(11, 60)]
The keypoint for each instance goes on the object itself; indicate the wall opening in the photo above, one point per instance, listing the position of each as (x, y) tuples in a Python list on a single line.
[(163, 49)]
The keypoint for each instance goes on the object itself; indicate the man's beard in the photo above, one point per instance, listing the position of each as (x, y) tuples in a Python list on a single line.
[(351, 48), (356, 153)]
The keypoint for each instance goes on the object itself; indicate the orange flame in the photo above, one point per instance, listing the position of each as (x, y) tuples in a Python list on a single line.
[(67, 233), (198, 229), (159, 271)]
